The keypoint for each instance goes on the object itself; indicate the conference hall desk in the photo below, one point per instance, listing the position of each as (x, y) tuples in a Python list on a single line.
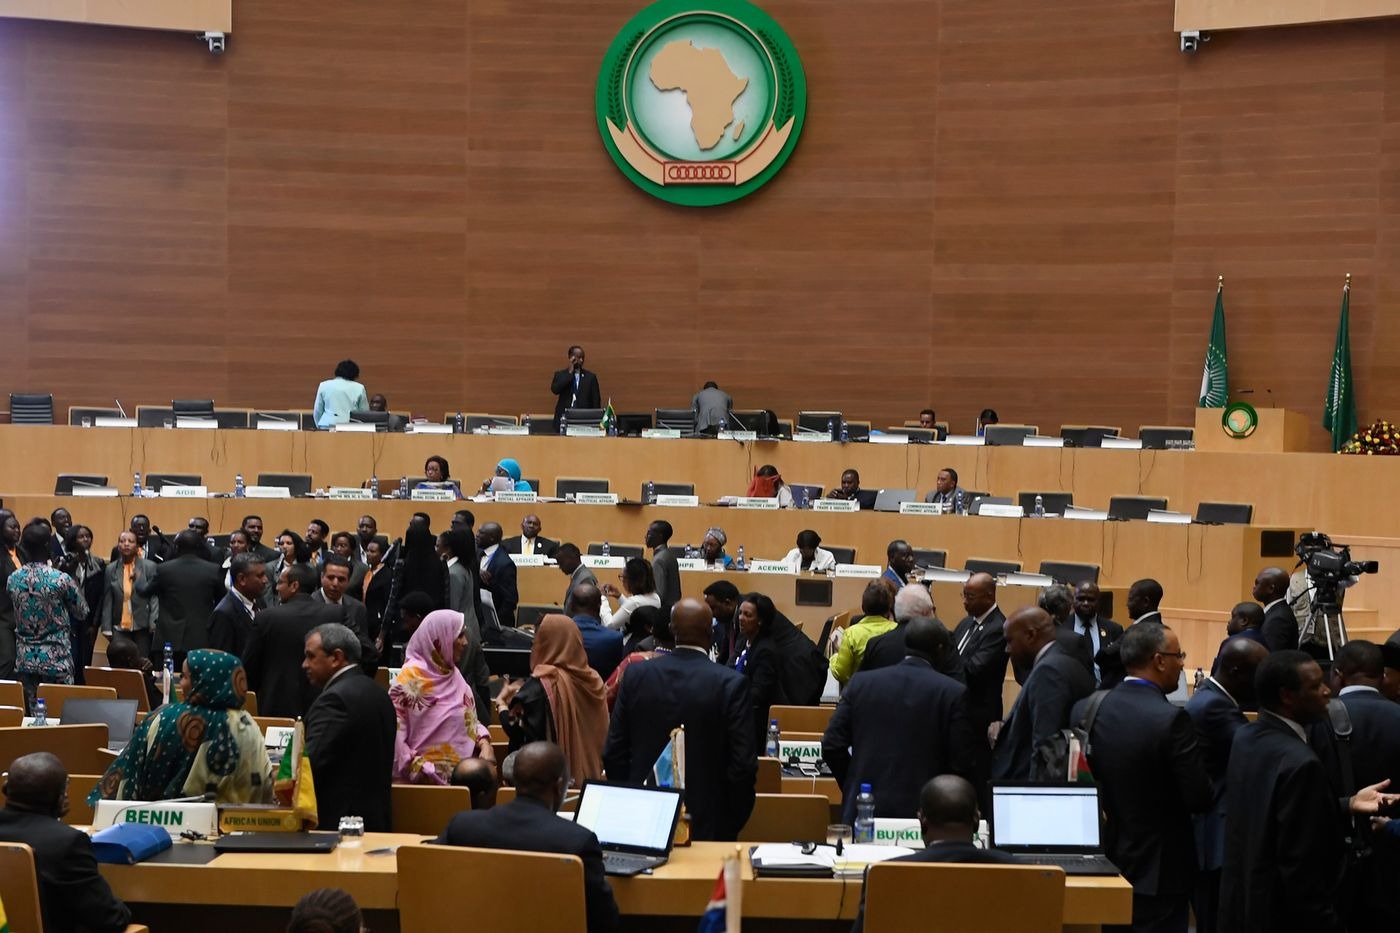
[(254, 892), (1323, 491)]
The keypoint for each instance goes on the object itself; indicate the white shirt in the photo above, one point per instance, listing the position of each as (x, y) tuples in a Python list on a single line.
[(822, 561), (1221, 687), (327, 597), (976, 627), (487, 554), (1271, 605), (784, 497), (1357, 688), (349, 666), (247, 603), (618, 620)]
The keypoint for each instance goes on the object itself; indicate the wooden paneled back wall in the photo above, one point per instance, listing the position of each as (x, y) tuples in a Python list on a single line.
[(995, 202)]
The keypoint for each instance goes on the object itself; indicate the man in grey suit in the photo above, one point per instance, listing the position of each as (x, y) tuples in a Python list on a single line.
[(572, 566), (335, 579), (664, 565), (945, 489), (711, 405)]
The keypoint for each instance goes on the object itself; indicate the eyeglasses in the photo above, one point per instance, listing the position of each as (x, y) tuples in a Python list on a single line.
[(1179, 655)]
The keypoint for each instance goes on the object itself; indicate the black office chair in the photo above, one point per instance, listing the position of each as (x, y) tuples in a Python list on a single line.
[(296, 484), (1008, 435), (991, 566), (154, 416), (633, 423), (193, 408), (308, 421), (584, 416), (1224, 513), (1160, 438), (1054, 502), (668, 489), (31, 408), (1070, 572), (843, 555), (625, 551), (818, 422), (541, 424), (380, 419), (930, 557), (1134, 506), (158, 480), (566, 485), (888, 500), (972, 495), (676, 419), (64, 482)]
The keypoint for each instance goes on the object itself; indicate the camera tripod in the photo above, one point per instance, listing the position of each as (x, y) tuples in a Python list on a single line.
[(1325, 617)]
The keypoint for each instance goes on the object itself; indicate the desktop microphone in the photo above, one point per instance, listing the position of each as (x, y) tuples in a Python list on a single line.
[(119, 407)]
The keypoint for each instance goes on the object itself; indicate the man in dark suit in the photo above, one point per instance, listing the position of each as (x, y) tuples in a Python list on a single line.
[(948, 818), (899, 563), (1280, 628), (575, 386), (530, 823), (498, 573), (1151, 777), (1097, 631), (911, 602), (1375, 756), (1058, 602), (153, 545), (1144, 598), (664, 565), (727, 641), (605, 647), (1246, 621), (72, 894), (349, 732), (188, 587), (980, 641), (1284, 830), (1217, 711), (712, 702), (253, 527), (366, 530), (231, 622), (335, 581), (1056, 682), (897, 727), (277, 645), (530, 540), (9, 563)]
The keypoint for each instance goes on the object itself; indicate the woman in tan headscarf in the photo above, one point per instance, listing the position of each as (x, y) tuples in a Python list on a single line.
[(563, 700)]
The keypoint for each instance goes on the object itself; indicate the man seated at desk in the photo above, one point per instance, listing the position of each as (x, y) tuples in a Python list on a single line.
[(850, 490)]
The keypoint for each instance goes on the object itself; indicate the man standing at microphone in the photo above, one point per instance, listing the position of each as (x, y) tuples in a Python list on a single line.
[(576, 387)]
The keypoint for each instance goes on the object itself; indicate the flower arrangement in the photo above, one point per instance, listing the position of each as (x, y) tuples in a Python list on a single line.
[(1379, 437)]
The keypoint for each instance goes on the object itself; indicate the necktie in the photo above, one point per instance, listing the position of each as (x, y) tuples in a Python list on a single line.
[(971, 630), (575, 400), (527, 546)]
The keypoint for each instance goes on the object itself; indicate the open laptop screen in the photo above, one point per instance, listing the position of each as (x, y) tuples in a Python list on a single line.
[(627, 818), (119, 715), (1029, 817)]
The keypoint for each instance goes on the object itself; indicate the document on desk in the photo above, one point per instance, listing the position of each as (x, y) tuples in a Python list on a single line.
[(787, 860)]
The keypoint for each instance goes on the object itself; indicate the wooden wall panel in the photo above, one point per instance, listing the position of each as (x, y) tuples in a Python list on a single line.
[(993, 203)]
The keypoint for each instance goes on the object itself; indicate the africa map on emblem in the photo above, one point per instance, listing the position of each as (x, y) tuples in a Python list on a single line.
[(709, 85)]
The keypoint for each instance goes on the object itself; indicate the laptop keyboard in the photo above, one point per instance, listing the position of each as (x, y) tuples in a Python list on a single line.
[(1073, 864), (619, 863)]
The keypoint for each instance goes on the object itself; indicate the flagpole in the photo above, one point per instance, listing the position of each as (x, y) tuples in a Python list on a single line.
[(1347, 286), (1220, 284)]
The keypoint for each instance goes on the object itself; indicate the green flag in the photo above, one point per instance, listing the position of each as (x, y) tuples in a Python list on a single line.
[(1215, 383), (609, 416), (1339, 414)]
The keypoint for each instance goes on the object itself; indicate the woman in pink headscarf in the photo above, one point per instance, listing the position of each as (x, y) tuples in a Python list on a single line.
[(438, 726)]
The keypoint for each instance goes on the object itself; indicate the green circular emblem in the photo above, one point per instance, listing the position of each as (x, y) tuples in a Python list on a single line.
[(1239, 420), (700, 103)]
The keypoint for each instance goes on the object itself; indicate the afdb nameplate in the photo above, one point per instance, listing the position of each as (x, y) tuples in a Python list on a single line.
[(518, 497), (350, 492), (267, 492), (599, 562), (835, 505), (433, 495), (678, 502), (859, 570), (528, 560), (175, 491), (802, 751), (756, 502), (771, 566), (595, 498), (891, 831), (920, 508), (174, 818)]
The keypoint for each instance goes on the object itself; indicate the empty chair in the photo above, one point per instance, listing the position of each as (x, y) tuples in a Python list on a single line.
[(888, 500), (991, 565), (633, 423), (539, 424), (972, 495), (193, 408), (1158, 437), (818, 422), (902, 896), (157, 481), (82, 749), (1225, 513), (930, 557), (1008, 435), (513, 882), (801, 718), (11, 693), (770, 777), (425, 809), (129, 685), (1070, 572), (232, 418), (19, 888), (584, 416), (676, 419), (1054, 502), (31, 408), (785, 817), (843, 555), (63, 484), (1134, 506), (668, 489), (569, 485), (624, 551), (11, 716), (297, 484)]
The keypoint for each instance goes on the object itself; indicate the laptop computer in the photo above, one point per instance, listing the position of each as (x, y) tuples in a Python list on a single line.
[(118, 715), (634, 825), (1050, 824)]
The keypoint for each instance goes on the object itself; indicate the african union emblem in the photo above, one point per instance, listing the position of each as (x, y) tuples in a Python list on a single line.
[(701, 102)]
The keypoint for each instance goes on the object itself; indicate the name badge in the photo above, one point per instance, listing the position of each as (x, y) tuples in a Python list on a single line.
[(678, 502), (770, 566), (804, 751), (599, 562), (1000, 510), (172, 817), (583, 430), (427, 427), (171, 491), (859, 570), (595, 498), (267, 492), (661, 433), (528, 560), (433, 495), (738, 435), (267, 424), (756, 502), (690, 563), (518, 497), (509, 430), (891, 831), (835, 505), (921, 508), (350, 492)]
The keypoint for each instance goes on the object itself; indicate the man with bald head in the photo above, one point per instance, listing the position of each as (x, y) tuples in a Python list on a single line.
[(530, 823), (72, 895), (498, 573), (712, 701), (1056, 682), (605, 648), (980, 641), (1217, 712), (898, 726), (1280, 628)]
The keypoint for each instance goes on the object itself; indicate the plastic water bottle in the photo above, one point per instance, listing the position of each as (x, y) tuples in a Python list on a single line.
[(563, 425), (1039, 506), (612, 428), (831, 428), (403, 487), (607, 549), (374, 487), (650, 497), (136, 486), (865, 816), (722, 425), (459, 424), (690, 552), (958, 502), (526, 422), (239, 490), (41, 713), (1200, 679), (740, 565), (845, 432), (770, 749), (168, 686)]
